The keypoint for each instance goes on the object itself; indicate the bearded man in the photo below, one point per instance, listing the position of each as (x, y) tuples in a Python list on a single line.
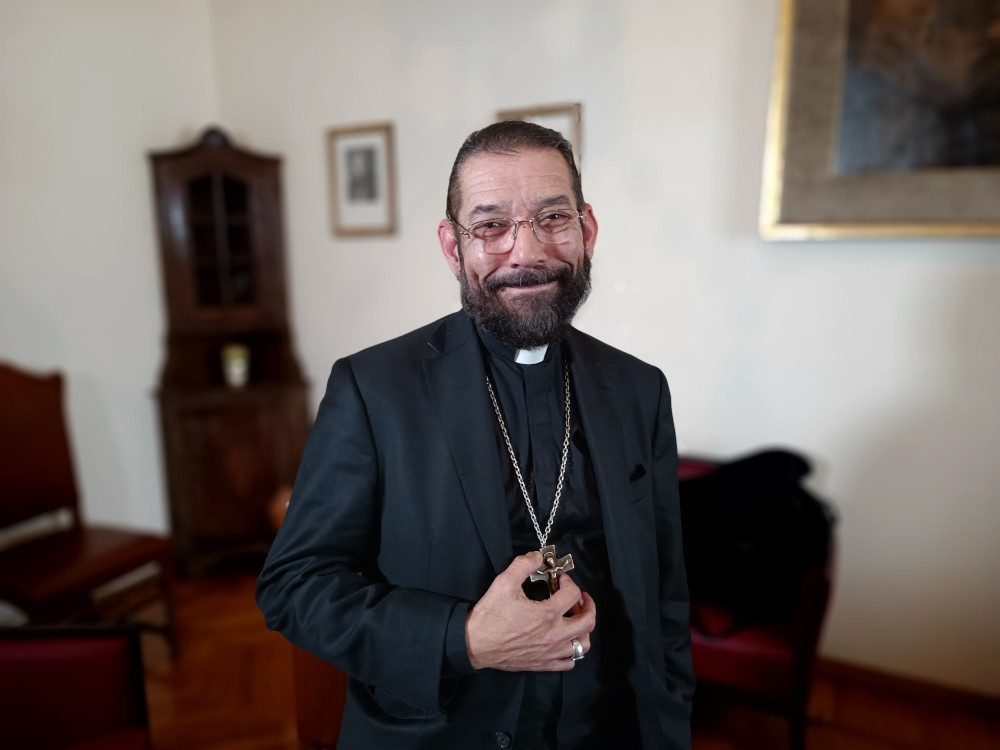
[(485, 531)]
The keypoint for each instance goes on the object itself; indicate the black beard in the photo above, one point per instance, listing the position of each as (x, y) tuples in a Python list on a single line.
[(527, 323)]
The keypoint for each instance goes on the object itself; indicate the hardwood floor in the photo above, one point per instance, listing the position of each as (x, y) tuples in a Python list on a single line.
[(231, 689)]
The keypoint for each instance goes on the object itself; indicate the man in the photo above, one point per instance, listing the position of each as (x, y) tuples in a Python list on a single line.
[(441, 463)]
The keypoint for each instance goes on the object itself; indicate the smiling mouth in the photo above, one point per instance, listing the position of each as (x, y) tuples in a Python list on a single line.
[(527, 288), (533, 279)]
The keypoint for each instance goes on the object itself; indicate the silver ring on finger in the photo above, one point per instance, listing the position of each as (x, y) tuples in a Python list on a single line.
[(577, 650)]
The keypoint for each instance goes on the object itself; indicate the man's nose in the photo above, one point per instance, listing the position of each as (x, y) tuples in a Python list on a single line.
[(531, 226), (527, 249)]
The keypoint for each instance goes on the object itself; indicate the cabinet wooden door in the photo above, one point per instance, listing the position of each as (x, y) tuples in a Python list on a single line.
[(231, 457)]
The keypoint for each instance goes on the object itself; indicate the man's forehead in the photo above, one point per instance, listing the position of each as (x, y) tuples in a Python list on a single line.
[(499, 180)]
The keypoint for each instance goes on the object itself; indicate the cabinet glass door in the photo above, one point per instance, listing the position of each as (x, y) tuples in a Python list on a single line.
[(223, 261)]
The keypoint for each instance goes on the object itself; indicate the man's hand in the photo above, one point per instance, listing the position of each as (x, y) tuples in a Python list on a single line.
[(507, 630)]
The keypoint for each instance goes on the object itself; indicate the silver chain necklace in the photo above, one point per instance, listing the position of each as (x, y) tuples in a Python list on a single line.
[(542, 537)]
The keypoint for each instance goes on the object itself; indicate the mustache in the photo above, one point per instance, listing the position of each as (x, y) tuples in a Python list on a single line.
[(526, 277)]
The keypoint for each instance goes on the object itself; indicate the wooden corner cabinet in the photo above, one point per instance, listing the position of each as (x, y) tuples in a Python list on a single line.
[(230, 441)]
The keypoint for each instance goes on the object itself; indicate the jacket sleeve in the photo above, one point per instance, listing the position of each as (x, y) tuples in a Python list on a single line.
[(320, 586), (674, 601)]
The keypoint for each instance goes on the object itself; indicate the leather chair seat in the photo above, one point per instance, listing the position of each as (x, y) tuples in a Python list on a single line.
[(756, 658), (78, 688), (63, 564)]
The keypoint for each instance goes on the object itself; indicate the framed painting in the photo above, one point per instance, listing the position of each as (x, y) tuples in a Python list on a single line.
[(362, 180), (563, 118), (884, 120)]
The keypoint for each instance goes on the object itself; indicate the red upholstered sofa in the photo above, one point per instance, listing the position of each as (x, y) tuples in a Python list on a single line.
[(754, 635), (75, 688)]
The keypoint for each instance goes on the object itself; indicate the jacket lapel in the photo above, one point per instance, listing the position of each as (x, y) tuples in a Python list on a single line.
[(600, 416), (456, 379)]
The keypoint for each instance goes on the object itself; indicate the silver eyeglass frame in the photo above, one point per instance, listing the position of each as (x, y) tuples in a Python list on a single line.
[(467, 231)]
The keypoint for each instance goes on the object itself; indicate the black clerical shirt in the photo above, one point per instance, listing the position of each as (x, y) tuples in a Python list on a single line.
[(592, 705)]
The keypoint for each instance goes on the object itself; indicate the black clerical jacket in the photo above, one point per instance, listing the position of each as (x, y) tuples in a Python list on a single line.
[(401, 482)]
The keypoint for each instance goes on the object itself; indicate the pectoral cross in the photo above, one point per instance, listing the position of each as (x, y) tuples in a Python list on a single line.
[(552, 567)]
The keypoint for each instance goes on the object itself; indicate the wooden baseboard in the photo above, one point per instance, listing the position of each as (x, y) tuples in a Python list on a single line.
[(909, 688)]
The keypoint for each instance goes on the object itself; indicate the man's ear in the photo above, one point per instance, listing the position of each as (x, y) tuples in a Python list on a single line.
[(449, 246), (589, 230)]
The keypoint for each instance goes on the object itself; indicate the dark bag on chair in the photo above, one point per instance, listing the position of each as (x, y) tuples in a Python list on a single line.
[(750, 531)]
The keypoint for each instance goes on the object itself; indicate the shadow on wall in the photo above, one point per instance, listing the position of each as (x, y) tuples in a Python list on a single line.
[(920, 552)]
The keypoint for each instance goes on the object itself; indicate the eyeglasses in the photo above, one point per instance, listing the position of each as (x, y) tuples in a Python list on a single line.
[(498, 235)]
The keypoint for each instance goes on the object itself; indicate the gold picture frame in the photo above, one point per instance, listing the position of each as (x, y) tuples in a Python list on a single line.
[(804, 196), (563, 118), (361, 168)]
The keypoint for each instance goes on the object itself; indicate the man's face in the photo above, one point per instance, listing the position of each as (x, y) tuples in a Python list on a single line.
[(528, 295)]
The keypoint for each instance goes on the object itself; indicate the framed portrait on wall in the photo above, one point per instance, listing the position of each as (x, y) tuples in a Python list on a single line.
[(884, 121), (563, 118), (362, 180)]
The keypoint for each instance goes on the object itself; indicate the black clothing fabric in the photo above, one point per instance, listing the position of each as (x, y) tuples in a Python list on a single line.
[(594, 696)]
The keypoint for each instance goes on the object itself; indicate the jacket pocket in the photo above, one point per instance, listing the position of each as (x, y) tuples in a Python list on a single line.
[(396, 707), (638, 483)]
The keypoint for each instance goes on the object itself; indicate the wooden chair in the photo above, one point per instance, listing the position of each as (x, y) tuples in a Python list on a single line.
[(320, 688), (760, 553), (64, 574), (77, 687)]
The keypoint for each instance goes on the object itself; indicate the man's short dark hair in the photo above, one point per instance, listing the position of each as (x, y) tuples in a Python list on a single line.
[(511, 137)]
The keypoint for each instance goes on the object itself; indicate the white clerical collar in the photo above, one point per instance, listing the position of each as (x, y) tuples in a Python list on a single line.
[(531, 356)]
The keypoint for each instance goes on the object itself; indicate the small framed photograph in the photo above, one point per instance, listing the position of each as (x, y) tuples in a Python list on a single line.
[(563, 118), (362, 180)]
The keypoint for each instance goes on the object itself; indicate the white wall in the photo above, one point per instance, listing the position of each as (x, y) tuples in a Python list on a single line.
[(879, 360), (86, 90)]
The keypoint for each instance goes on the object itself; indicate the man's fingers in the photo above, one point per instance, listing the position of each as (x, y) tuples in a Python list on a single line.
[(584, 619), (568, 589), (523, 566), (567, 596), (587, 617)]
